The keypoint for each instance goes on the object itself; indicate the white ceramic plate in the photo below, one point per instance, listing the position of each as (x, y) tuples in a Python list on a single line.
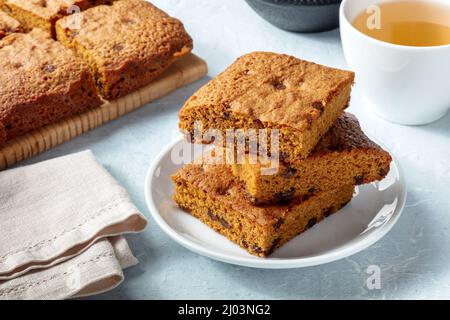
[(370, 215)]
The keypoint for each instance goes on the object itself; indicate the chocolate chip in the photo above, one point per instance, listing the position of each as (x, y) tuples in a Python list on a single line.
[(286, 196), (311, 222), (224, 191), (334, 148), (382, 172), (224, 223), (184, 208), (212, 215), (328, 212), (278, 224), (306, 197), (211, 140), (279, 85), (359, 180), (257, 124), (312, 190), (274, 245), (255, 248), (289, 172), (49, 68), (226, 115), (128, 21), (284, 156), (118, 47), (245, 73), (245, 243), (318, 106)]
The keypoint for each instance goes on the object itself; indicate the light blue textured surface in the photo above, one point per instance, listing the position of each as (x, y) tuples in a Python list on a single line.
[(413, 257)]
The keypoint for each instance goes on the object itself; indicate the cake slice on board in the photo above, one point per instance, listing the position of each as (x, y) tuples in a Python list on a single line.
[(54, 83), (127, 44), (44, 13)]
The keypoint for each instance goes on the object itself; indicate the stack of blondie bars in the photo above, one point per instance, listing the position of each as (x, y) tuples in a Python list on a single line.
[(321, 151)]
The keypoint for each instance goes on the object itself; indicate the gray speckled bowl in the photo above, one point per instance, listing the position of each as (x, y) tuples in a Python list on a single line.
[(299, 15)]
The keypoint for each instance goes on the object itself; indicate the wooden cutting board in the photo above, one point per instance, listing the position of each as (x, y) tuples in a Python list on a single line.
[(182, 72)]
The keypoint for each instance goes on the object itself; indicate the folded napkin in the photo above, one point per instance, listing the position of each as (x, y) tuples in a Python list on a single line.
[(60, 227)]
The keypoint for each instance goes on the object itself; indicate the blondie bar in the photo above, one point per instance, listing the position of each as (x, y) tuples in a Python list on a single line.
[(211, 194), (345, 155), (264, 90), (127, 44), (41, 83), (8, 25), (44, 13)]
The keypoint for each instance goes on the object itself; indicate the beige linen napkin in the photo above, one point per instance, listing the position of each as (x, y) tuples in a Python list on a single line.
[(96, 270), (52, 217)]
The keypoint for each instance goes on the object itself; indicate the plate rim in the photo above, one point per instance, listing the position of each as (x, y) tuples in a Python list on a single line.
[(267, 263)]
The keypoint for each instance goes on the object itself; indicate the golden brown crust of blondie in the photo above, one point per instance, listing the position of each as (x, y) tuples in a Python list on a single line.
[(54, 83), (210, 193), (47, 9), (44, 13), (126, 44), (269, 90), (2, 134), (344, 156), (8, 24), (273, 88), (345, 134)]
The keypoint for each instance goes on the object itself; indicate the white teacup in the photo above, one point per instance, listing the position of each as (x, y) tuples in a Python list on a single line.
[(402, 84)]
